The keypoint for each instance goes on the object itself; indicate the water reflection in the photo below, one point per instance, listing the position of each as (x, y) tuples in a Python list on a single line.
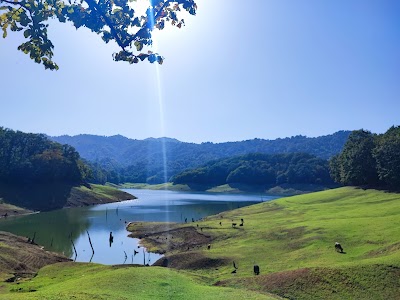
[(105, 224), (53, 230)]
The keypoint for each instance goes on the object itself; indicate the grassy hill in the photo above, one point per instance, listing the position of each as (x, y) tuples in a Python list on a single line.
[(291, 239), (95, 194), (92, 281)]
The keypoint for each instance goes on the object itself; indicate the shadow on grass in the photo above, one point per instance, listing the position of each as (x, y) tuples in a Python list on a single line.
[(43, 196)]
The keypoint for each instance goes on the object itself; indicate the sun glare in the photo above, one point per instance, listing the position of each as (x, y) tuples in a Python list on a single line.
[(140, 6)]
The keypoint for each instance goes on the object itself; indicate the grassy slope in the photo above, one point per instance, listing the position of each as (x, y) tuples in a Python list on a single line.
[(291, 239), (299, 232), (97, 194), (92, 281), (12, 210)]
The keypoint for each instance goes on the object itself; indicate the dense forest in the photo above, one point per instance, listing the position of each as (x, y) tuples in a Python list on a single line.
[(118, 159), (260, 169), (33, 167), (369, 159), (32, 158)]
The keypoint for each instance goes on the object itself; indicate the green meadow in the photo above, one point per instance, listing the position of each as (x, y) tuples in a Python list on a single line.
[(291, 240), (92, 281)]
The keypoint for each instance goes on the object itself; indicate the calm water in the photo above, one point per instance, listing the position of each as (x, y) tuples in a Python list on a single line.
[(55, 230)]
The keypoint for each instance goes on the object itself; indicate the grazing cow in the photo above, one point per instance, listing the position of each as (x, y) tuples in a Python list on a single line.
[(220, 223), (338, 247), (209, 246), (256, 269), (234, 225)]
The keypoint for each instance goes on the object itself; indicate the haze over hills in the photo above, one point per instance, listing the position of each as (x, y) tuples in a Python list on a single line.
[(143, 160)]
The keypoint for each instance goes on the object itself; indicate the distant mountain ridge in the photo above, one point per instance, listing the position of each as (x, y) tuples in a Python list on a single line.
[(143, 160)]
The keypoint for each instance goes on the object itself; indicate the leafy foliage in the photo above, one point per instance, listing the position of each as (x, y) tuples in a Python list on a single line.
[(119, 159), (260, 169), (369, 159), (387, 155), (32, 158), (358, 167), (113, 20)]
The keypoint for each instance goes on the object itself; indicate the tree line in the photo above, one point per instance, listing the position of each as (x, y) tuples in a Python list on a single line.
[(260, 169), (369, 159), (118, 159), (32, 158), (37, 173)]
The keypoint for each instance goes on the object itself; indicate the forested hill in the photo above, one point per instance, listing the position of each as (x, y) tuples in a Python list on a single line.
[(132, 160), (32, 158), (35, 172), (129, 151), (260, 169)]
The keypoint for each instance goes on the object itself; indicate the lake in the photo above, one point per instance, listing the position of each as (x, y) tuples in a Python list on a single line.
[(56, 230)]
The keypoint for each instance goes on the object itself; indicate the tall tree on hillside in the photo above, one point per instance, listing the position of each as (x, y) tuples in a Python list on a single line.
[(113, 20), (335, 168), (387, 155), (356, 163)]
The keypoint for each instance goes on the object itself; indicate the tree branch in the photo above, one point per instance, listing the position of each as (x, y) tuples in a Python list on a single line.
[(143, 28), (11, 2), (93, 5)]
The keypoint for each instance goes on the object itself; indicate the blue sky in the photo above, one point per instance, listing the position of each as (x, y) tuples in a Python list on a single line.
[(238, 70)]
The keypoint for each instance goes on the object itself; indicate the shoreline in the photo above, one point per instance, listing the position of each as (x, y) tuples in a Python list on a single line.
[(81, 196), (269, 190), (13, 211)]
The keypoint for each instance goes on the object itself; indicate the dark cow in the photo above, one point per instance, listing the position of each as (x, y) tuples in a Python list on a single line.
[(338, 247), (256, 269)]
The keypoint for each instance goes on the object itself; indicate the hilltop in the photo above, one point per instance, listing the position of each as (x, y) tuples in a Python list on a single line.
[(129, 160)]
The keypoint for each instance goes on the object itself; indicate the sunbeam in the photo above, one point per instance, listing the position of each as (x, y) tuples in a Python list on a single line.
[(161, 110)]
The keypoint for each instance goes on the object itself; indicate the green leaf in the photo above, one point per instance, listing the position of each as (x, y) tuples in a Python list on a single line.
[(117, 9), (27, 33), (138, 45)]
